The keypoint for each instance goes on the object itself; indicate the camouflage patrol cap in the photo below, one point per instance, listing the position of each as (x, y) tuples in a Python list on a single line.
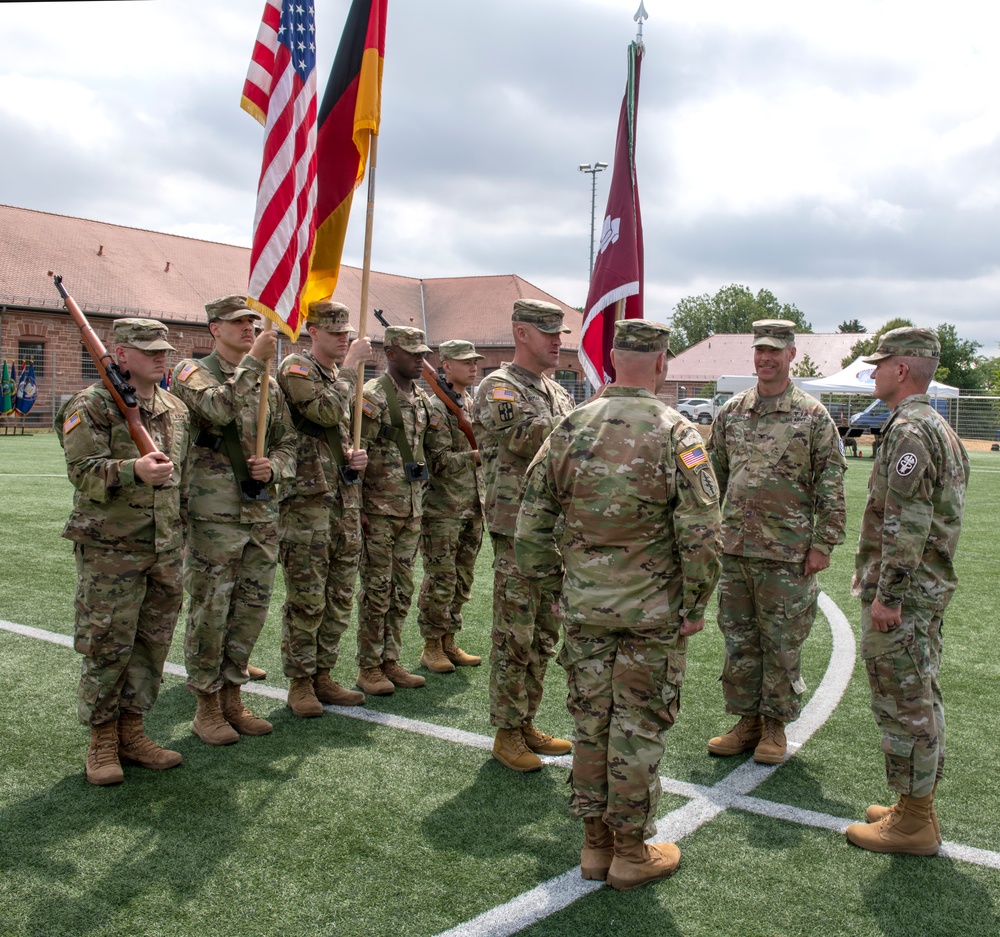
[(409, 339), (457, 350), (146, 334), (773, 333), (228, 308), (642, 335), (329, 316), (546, 317), (909, 342)]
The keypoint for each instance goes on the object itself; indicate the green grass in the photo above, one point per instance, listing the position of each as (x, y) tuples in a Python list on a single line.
[(337, 826)]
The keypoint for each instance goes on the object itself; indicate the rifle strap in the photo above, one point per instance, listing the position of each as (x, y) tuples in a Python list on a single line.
[(398, 431), (232, 447)]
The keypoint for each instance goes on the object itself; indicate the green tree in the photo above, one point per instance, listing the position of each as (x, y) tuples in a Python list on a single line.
[(731, 310), (805, 368), (959, 364), (867, 345), (850, 325)]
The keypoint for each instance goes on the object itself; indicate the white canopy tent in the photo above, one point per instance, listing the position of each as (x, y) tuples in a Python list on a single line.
[(857, 378)]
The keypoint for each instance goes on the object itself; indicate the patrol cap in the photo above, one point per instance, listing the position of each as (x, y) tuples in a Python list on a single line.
[(457, 350), (908, 341), (546, 317), (329, 316), (228, 308), (145, 334), (642, 335), (773, 333), (409, 339)]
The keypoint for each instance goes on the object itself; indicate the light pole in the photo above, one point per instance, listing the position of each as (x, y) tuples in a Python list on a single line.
[(593, 169)]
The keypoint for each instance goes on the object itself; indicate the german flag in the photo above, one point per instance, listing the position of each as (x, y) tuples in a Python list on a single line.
[(351, 108)]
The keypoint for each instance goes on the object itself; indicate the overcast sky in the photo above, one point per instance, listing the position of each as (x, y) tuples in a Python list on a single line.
[(844, 156)]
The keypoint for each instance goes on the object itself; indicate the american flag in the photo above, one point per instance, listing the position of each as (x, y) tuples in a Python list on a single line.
[(280, 92)]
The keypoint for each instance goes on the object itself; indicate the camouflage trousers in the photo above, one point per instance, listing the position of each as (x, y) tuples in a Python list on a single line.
[(228, 573), (320, 569), (766, 611), (126, 611), (525, 632), (449, 547), (903, 666), (386, 587), (624, 693)]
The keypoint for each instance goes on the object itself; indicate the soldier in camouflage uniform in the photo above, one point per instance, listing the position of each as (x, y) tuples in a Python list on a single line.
[(399, 432), (780, 465), (320, 528), (515, 409), (232, 548), (452, 528), (127, 526), (905, 576), (632, 481)]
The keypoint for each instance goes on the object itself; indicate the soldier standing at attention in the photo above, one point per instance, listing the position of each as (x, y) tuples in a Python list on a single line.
[(905, 576), (320, 530), (127, 526), (452, 528), (632, 482), (780, 465), (398, 424), (232, 547), (516, 407)]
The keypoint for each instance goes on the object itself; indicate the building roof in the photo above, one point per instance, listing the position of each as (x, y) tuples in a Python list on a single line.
[(732, 354), (120, 271)]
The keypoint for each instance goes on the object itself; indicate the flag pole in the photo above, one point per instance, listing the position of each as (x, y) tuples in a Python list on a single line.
[(262, 401), (365, 275)]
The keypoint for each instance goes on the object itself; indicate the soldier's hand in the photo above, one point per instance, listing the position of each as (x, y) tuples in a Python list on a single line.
[(260, 469), (815, 561), (885, 618), (154, 469), (477, 457), (689, 626), (364, 523), (357, 459), (359, 353), (265, 345)]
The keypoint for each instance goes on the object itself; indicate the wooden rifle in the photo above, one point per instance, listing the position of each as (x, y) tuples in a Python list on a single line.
[(117, 383), (443, 390)]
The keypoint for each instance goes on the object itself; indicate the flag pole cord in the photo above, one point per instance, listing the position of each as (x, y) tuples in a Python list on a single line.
[(365, 275)]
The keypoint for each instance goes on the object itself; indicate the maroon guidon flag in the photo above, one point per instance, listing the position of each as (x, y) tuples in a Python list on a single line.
[(617, 273)]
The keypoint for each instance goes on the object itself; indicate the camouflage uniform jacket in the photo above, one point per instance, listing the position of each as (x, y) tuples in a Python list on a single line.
[(111, 507), (386, 489), (514, 412), (324, 396), (634, 483), (780, 466), (916, 496), (215, 494), (455, 488)]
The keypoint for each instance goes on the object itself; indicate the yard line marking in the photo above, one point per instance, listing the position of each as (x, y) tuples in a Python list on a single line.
[(32, 475)]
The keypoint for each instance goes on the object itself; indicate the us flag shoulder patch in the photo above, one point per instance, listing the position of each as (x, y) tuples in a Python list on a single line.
[(299, 370), (504, 393), (71, 422), (368, 408), (186, 372), (694, 457), (434, 421)]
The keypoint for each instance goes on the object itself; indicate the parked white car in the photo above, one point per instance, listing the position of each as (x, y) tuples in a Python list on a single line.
[(697, 409)]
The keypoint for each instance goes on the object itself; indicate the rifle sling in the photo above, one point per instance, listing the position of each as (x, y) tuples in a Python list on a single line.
[(397, 432)]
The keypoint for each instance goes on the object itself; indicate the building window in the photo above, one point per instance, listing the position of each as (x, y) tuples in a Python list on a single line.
[(88, 370), (34, 352), (371, 372), (200, 354)]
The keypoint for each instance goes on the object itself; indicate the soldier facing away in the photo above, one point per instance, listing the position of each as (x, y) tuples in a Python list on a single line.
[(905, 576), (632, 482), (780, 465), (127, 526)]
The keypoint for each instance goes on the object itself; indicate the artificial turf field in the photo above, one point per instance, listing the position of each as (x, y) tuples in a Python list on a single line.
[(405, 825)]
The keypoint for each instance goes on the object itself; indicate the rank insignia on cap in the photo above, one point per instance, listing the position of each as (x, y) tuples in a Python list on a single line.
[(368, 408), (186, 372), (693, 457), (72, 422), (504, 393), (299, 370)]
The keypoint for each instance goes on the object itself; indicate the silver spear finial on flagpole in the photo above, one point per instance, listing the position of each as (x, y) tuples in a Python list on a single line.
[(640, 15)]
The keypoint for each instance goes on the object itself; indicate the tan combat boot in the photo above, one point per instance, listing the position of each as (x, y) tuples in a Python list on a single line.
[(209, 723), (373, 682), (238, 716), (433, 657), (509, 749), (771, 748), (255, 673), (456, 655), (103, 766), (302, 698), (907, 828), (876, 812), (401, 677), (740, 738), (598, 849), (329, 691), (137, 748), (542, 744), (636, 864)]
